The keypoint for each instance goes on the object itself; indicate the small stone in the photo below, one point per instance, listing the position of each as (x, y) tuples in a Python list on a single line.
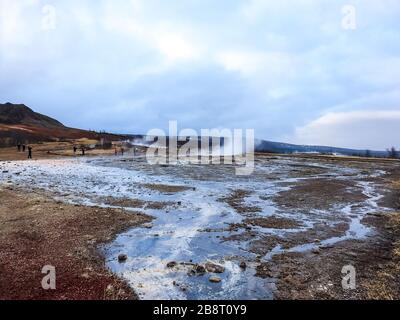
[(122, 257), (183, 288), (243, 265), (200, 269), (109, 289), (172, 264), (215, 279), (316, 251), (214, 268)]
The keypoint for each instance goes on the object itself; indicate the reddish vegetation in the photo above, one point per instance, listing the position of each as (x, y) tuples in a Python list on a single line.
[(36, 231), (48, 133)]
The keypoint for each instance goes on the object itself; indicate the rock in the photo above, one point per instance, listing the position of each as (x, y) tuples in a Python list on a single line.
[(243, 265), (183, 287), (200, 269), (191, 273), (316, 251), (214, 268), (109, 289), (172, 264), (122, 257), (215, 279)]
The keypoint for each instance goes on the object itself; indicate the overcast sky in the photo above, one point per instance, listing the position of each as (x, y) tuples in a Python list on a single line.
[(299, 71)]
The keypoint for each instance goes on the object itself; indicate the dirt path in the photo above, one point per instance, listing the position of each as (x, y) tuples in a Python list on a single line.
[(36, 231)]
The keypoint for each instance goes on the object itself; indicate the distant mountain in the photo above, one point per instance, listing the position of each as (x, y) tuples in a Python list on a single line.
[(20, 114), (20, 124), (279, 147)]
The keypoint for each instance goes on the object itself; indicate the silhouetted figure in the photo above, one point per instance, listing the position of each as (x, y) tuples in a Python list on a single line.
[(29, 152), (122, 151), (75, 149), (23, 148), (116, 151), (19, 147), (83, 151)]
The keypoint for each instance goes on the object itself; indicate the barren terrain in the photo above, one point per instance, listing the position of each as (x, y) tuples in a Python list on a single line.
[(284, 232)]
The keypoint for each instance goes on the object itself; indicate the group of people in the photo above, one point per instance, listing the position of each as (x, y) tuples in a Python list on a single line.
[(82, 150), (122, 150), (22, 148)]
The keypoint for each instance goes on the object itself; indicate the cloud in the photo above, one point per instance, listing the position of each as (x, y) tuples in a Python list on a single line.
[(250, 63), (358, 129), (175, 47)]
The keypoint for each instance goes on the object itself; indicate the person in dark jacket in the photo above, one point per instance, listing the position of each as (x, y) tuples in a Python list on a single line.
[(83, 151), (23, 148), (29, 152), (19, 147)]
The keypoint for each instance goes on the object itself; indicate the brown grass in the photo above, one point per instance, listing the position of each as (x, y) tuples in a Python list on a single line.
[(384, 284)]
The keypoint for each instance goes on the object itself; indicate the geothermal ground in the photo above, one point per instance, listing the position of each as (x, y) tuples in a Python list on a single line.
[(199, 231)]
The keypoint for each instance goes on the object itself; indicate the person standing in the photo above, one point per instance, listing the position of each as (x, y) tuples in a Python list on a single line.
[(83, 151), (19, 147), (122, 151), (23, 148), (75, 149), (29, 152)]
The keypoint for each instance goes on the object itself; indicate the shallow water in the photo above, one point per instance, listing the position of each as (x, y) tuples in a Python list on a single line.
[(178, 233)]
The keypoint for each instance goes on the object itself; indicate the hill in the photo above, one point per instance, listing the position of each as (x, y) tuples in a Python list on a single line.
[(20, 124), (20, 114), (279, 147)]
